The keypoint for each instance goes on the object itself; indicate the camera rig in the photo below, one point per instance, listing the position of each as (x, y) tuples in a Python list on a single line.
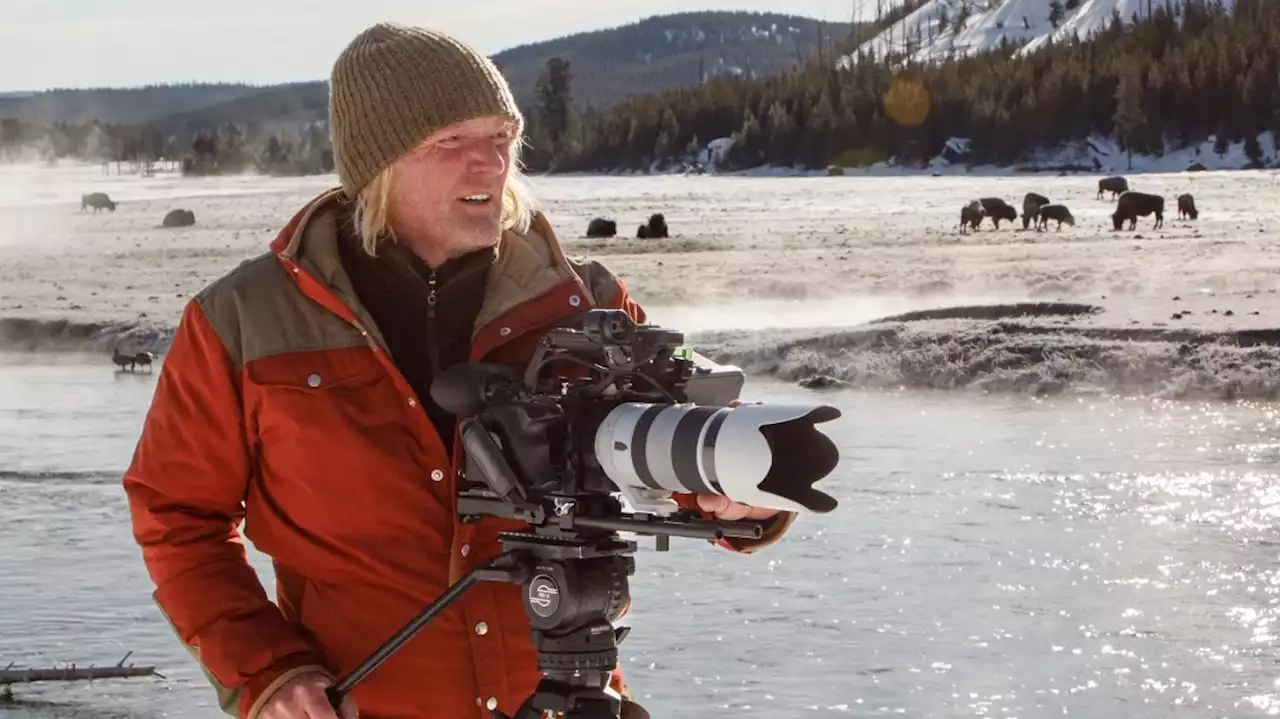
[(625, 412)]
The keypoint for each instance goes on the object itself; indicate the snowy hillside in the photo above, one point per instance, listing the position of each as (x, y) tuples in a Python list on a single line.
[(943, 29)]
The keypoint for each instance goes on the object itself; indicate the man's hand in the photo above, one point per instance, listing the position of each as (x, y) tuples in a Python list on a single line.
[(303, 697), (727, 509), (724, 508)]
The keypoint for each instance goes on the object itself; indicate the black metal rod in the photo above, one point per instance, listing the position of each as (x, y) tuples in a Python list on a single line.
[(701, 530), (741, 530), (344, 685)]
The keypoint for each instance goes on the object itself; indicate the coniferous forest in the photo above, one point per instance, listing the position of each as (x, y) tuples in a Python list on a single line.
[(1187, 72)]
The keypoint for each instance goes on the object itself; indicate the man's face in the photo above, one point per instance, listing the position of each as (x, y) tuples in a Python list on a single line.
[(446, 194)]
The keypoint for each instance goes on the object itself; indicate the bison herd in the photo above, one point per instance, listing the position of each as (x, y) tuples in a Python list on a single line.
[(1038, 209), (1035, 208), (654, 229), (101, 201)]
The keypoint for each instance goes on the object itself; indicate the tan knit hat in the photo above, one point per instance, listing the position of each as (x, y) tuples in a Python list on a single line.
[(396, 84)]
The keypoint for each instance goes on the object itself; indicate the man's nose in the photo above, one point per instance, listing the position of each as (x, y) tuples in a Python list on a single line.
[(488, 160)]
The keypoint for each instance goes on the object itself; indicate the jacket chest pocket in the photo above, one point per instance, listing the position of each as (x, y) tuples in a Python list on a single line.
[(327, 419)]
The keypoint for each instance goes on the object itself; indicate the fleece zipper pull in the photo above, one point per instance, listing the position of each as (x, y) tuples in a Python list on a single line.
[(432, 349)]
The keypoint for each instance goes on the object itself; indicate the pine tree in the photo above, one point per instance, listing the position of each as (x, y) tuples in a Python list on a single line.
[(1056, 13), (1253, 149), (1129, 120), (554, 98)]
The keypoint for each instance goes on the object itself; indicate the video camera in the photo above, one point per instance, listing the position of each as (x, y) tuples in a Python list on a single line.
[(606, 412)]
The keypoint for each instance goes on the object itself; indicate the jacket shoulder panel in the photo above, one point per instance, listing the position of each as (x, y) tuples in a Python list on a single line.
[(599, 280), (257, 311)]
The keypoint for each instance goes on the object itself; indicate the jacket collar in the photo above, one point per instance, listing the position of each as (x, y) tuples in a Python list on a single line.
[(529, 264)]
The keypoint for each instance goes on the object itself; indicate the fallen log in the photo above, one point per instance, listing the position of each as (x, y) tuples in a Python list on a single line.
[(10, 675)]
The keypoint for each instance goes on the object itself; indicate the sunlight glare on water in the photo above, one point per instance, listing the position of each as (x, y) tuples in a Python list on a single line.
[(991, 557)]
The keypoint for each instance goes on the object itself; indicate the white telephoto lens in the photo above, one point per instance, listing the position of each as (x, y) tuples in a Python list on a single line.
[(761, 455)]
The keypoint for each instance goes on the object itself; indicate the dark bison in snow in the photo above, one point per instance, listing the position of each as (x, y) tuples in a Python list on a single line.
[(132, 362), (656, 229), (1031, 205), (1133, 205), (997, 209), (1055, 212), (971, 215), (1187, 206), (1114, 185), (98, 201), (600, 227), (179, 218)]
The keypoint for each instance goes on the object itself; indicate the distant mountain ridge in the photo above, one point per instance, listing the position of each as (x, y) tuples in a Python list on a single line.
[(669, 51), (117, 105), (609, 66)]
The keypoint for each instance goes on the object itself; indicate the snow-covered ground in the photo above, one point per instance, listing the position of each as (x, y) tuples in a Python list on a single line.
[(943, 29), (789, 276)]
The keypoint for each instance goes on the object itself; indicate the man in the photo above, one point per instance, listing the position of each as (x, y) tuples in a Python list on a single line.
[(295, 396)]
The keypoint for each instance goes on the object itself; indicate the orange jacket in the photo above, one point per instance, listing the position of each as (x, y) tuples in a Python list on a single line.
[(278, 404)]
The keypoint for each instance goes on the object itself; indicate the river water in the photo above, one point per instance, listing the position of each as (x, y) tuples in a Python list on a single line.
[(991, 557)]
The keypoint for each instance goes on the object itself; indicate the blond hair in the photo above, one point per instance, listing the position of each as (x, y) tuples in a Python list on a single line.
[(371, 221)]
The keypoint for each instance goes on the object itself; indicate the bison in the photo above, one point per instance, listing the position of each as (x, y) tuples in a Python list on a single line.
[(1187, 206), (997, 209), (98, 201), (655, 229), (1114, 185), (179, 218), (121, 359), (1133, 205), (144, 359), (1055, 212), (132, 361), (971, 215), (1031, 205), (600, 227)]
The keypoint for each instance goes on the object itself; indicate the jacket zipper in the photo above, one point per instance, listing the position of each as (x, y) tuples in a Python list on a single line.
[(432, 350)]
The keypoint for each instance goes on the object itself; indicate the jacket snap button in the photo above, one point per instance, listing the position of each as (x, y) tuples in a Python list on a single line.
[(466, 549), (437, 475), (412, 402), (504, 331), (313, 380), (575, 300), (482, 628), (491, 703)]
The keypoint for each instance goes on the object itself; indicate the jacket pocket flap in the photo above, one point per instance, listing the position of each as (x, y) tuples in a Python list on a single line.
[(315, 370)]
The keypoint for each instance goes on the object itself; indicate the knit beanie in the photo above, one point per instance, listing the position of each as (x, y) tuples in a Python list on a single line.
[(394, 85)]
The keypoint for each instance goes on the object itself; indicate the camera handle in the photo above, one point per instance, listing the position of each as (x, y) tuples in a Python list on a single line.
[(493, 571), (568, 600)]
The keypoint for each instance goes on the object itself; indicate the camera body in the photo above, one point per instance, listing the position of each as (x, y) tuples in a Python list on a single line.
[(546, 421)]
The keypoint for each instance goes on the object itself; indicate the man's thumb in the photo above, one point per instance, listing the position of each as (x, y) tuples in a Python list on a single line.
[(712, 502)]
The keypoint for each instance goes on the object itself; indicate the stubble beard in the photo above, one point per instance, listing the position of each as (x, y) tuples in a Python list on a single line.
[(473, 233)]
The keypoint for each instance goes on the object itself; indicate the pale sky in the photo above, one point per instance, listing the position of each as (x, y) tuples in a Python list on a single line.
[(93, 43)]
